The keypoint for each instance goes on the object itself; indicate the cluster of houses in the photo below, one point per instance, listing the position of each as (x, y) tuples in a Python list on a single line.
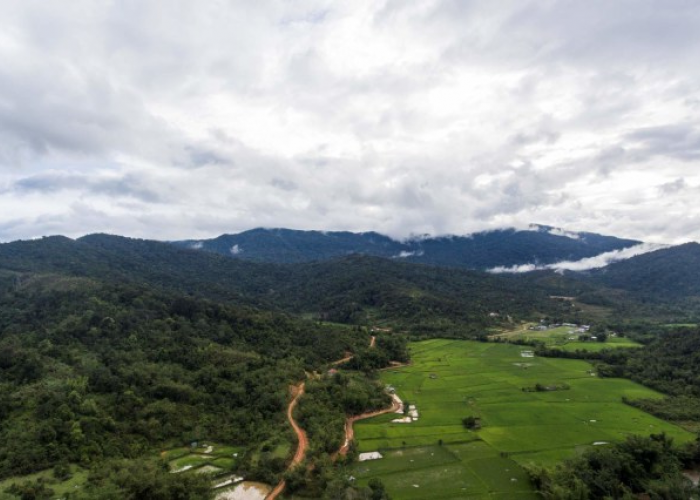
[(410, 416)]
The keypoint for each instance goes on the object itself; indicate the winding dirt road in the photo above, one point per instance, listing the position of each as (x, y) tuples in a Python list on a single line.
[(303, 442), (349, 356), (350, 433)]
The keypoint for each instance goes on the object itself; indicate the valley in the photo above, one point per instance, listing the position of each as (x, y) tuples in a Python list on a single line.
[(144, 367)]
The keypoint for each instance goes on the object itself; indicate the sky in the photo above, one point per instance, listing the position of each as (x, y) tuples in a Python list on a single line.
[(189, 119)]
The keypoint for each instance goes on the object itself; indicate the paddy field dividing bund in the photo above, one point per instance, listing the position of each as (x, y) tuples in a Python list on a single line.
[(437, 457)]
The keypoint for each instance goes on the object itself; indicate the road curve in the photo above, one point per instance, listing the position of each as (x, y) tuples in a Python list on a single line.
[(350, 433), (303, 442), (301, 434)]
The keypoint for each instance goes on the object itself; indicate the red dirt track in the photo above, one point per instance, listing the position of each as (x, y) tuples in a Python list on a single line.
[(350, 433), (301, 437)]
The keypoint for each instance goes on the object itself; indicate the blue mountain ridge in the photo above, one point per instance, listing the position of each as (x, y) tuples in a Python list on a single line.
[(483, 250)]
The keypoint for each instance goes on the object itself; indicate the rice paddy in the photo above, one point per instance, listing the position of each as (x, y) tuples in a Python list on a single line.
[(531, 410)]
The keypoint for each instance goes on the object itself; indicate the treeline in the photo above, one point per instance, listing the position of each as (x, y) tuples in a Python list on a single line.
[(639, 467), (667, 363)]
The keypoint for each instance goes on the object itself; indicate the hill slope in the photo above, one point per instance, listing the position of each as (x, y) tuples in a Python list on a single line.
[(666, 274), (353, 289)]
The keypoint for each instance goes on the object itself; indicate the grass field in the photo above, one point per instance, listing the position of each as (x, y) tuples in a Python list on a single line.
[(60, 488), (450, 380), (611, 343)]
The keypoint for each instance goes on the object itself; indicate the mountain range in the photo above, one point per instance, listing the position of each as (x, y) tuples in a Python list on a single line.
[(483, 250), (345, 276)]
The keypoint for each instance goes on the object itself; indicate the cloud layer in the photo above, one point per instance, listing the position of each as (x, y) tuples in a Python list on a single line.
[(595, 262), (187, 119)]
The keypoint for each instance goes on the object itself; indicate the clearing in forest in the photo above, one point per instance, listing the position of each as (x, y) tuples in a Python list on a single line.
[(538, 410)]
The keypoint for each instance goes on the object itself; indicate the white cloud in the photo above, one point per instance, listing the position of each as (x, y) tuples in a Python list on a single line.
[(404, 254), (595, 262), (434, 116)]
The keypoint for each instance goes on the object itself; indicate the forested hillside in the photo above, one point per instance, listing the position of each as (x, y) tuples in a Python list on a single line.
[(669, 363), (355, 289), (668, 274), (93, 371)]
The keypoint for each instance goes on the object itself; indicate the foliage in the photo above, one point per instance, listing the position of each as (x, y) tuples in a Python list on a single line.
[(471, 422), (667, 363), (143, 480), (355, 289), (93, 371), (388, 348), (635, 466), (330, 400), (675, 409)]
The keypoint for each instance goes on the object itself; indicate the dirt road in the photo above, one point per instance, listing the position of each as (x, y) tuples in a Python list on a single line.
[(350, 433), (301, 434), (303, 442), (349, 356), (342, 360)]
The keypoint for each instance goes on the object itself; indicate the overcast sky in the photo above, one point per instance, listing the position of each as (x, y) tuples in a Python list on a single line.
[(188, 119)]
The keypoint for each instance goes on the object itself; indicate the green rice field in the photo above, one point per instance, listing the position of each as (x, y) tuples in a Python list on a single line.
[(450, 380)]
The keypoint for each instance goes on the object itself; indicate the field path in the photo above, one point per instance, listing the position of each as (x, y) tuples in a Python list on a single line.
[(297, 391)]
